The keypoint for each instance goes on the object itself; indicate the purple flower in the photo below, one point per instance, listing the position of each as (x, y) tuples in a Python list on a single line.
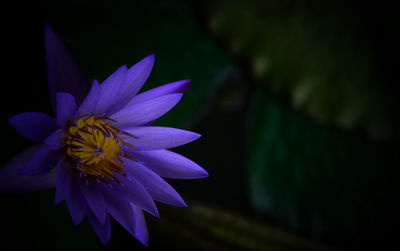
[(100, 151)]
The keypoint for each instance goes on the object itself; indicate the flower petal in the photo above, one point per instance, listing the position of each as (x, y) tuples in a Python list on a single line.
[(75, 201), (158, 189), (54, 141), (12, 182), (169, 164), (137, 194), (137, 75), (42, 161), (94, 198), (35, 126), (140, 226), (174, 87), (119, 208), (155, 137), (135, 78), (90, 103), (103, 230), (144, 112), (64, 178), (66, 108), (63, 74), (110, 90)]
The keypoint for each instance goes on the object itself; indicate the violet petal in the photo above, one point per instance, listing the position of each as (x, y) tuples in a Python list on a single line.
[(137, 194), (35, 126), (119, 208), (90, 103), (158, 189), (75, 201), (174, 87), (144, 112), (42, 161), (55, 140), (64, 178), (136, 76), (63, 74), (155, 137), (94, 198), (141, 232), (66, 108), (12, 182), (103, 230), (169, 164), (110, 90)]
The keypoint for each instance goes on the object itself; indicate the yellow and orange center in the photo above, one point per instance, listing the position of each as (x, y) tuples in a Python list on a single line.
[(94, 146)]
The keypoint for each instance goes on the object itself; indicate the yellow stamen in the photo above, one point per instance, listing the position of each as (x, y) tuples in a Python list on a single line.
[(94, 147)]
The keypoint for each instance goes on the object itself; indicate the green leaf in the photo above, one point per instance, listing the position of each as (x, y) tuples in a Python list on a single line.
[(318, 178), (319, 54)]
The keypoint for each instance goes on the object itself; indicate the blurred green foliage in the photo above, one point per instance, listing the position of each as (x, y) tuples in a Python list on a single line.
[(317, 178), (319, 54), (205, 227), (322, 122)]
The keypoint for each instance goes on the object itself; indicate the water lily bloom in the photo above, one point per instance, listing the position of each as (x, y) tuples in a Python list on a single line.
[(100, 151)]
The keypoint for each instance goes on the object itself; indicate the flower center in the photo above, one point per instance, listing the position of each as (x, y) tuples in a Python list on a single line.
[(94, 147)]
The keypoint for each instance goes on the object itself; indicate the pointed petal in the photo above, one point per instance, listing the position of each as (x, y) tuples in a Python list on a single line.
[(137, 75), (174, 87), (169, 164), (138, 195), (110, 90), (135, 78), (144, 112), (158, 189), (119, 208), (35, 126), (154, 137), (141, 232), (66, 108), (42, 161), (55, 140), (94, 198), (90, 103), (64, 178), (103, 230), (63, 74), (75, 201), (12, 182)]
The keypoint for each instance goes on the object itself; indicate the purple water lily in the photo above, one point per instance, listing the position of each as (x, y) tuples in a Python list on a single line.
[(100, 151)]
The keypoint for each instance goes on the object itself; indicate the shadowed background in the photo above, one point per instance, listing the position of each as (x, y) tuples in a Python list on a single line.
[(296, 101)]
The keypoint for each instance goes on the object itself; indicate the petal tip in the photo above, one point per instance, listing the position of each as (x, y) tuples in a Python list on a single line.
[(205, 174), (57, 201), (104, 241), (196, 135), (149, 59), (144, 241), (155, 212), (200, 173), (48, 29), (186, 84), (11, 120), (182, 204), (151, 56)]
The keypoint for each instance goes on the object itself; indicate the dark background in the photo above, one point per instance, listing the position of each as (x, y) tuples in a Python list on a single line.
[(296, 101)]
